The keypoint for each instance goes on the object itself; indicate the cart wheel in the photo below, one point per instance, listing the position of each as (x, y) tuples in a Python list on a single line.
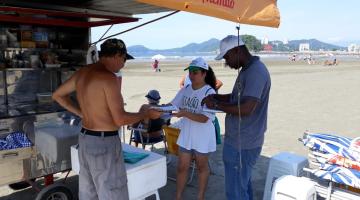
[(21, 185), (55, 192)]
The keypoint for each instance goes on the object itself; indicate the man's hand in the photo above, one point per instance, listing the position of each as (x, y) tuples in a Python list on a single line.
[(209, 101), (152, 113)]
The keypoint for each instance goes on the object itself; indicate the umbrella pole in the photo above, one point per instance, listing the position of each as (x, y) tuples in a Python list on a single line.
[(239, 92)]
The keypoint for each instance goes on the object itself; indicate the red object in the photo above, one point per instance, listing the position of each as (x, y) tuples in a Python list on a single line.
[(267, 47), (49, 179), (156, 64), (29, 17), (339, 160)]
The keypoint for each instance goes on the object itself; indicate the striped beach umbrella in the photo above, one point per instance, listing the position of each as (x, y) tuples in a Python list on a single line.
[(338, 174), (330, 144)]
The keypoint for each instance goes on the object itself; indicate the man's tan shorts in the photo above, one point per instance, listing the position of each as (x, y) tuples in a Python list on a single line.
[(102, 169)]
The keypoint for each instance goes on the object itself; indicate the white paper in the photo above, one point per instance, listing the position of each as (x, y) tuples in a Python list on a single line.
[(167, 108), (211, 110)]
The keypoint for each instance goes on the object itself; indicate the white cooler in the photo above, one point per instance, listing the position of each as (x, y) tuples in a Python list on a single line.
[(144, 177)]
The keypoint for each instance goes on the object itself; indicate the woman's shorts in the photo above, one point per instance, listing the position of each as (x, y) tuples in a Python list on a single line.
[(192, 151)]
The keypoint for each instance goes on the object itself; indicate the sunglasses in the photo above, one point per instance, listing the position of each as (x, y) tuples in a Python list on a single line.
[(195, 72)]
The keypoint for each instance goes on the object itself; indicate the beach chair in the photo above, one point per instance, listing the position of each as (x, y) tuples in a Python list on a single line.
[(145, 134)]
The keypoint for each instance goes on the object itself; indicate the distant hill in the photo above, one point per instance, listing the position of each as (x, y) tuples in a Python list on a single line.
[(293, 45), (211, 46), (207, 47)]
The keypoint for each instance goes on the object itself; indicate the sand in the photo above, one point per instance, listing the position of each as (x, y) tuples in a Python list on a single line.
[(303, 97)]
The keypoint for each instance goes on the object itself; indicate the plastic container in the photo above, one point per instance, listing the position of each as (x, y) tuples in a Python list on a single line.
[(3, 40), (291, 187), (172, 135), (44, 97), (281, 164)]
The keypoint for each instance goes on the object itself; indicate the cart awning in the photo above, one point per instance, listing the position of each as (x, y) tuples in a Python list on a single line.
[(254, 12)]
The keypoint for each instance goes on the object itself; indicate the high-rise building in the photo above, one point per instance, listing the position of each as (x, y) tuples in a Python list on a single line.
[(303, 47)]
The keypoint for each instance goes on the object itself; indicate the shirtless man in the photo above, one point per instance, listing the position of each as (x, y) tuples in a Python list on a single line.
[(102, 169)]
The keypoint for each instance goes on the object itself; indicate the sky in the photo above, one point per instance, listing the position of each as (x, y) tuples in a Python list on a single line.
[(332, 21)]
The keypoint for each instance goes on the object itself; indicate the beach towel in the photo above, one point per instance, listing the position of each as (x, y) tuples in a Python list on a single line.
[(134, 157), (15, 140), (217, 130)]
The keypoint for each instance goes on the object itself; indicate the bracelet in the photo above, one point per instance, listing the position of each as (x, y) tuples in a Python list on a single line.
[(216, 106)]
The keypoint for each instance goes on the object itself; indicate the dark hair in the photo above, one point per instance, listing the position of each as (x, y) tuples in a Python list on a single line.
[(210, 77), (109, 52)]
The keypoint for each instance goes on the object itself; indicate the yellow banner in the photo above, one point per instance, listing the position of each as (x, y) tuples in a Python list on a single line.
[(255, 12)]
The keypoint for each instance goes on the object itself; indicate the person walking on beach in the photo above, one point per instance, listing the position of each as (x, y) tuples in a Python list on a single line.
[(246, 116), (102, 169), (197, 137)]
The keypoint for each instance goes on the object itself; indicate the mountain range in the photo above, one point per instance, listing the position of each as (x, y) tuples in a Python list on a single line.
[(210, 47)]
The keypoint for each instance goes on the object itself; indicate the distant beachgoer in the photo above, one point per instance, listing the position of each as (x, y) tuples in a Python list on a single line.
[(156, 66), (330, 63), (335, 62)]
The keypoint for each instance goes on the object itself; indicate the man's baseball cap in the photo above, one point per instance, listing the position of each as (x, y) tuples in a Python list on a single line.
[(196, 64), (115, 45), (229, 42)]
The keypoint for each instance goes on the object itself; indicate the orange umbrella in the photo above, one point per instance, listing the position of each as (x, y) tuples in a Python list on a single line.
[(255, 12)]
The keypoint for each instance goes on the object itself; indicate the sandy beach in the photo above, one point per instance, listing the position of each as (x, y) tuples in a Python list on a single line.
[(303, 97)]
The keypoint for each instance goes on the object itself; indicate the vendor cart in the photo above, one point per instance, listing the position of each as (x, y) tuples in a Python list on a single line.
[(42, 43), (41, 46), (34, 61)]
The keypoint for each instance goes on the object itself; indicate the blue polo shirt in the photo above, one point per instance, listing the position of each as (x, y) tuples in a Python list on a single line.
[(254, 83)]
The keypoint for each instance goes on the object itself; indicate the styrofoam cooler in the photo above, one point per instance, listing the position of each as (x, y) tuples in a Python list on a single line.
[(290, 187), (281, 164)]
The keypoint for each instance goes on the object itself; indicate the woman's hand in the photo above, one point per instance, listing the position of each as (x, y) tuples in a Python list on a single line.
[(181, 113)]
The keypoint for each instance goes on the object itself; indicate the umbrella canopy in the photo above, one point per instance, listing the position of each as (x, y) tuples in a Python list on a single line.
[(255, 12), (158, 57)]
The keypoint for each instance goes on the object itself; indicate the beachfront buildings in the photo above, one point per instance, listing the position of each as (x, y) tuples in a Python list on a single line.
[(354, 48), (304, 47)]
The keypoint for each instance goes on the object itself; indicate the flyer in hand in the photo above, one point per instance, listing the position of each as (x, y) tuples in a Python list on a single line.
[(166, 108)]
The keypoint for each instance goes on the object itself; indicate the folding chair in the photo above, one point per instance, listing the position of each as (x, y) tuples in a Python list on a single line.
[(145, 134)]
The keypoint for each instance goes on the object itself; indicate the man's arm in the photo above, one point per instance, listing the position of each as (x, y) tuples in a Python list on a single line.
[(246, 108), (62, 96), (212, 98), (222, 97), (116, 105)]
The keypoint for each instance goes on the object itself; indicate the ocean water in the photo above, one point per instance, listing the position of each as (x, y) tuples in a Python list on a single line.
[(264, 56)]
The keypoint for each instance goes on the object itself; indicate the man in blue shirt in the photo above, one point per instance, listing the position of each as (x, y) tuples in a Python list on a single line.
[(246, 116)]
